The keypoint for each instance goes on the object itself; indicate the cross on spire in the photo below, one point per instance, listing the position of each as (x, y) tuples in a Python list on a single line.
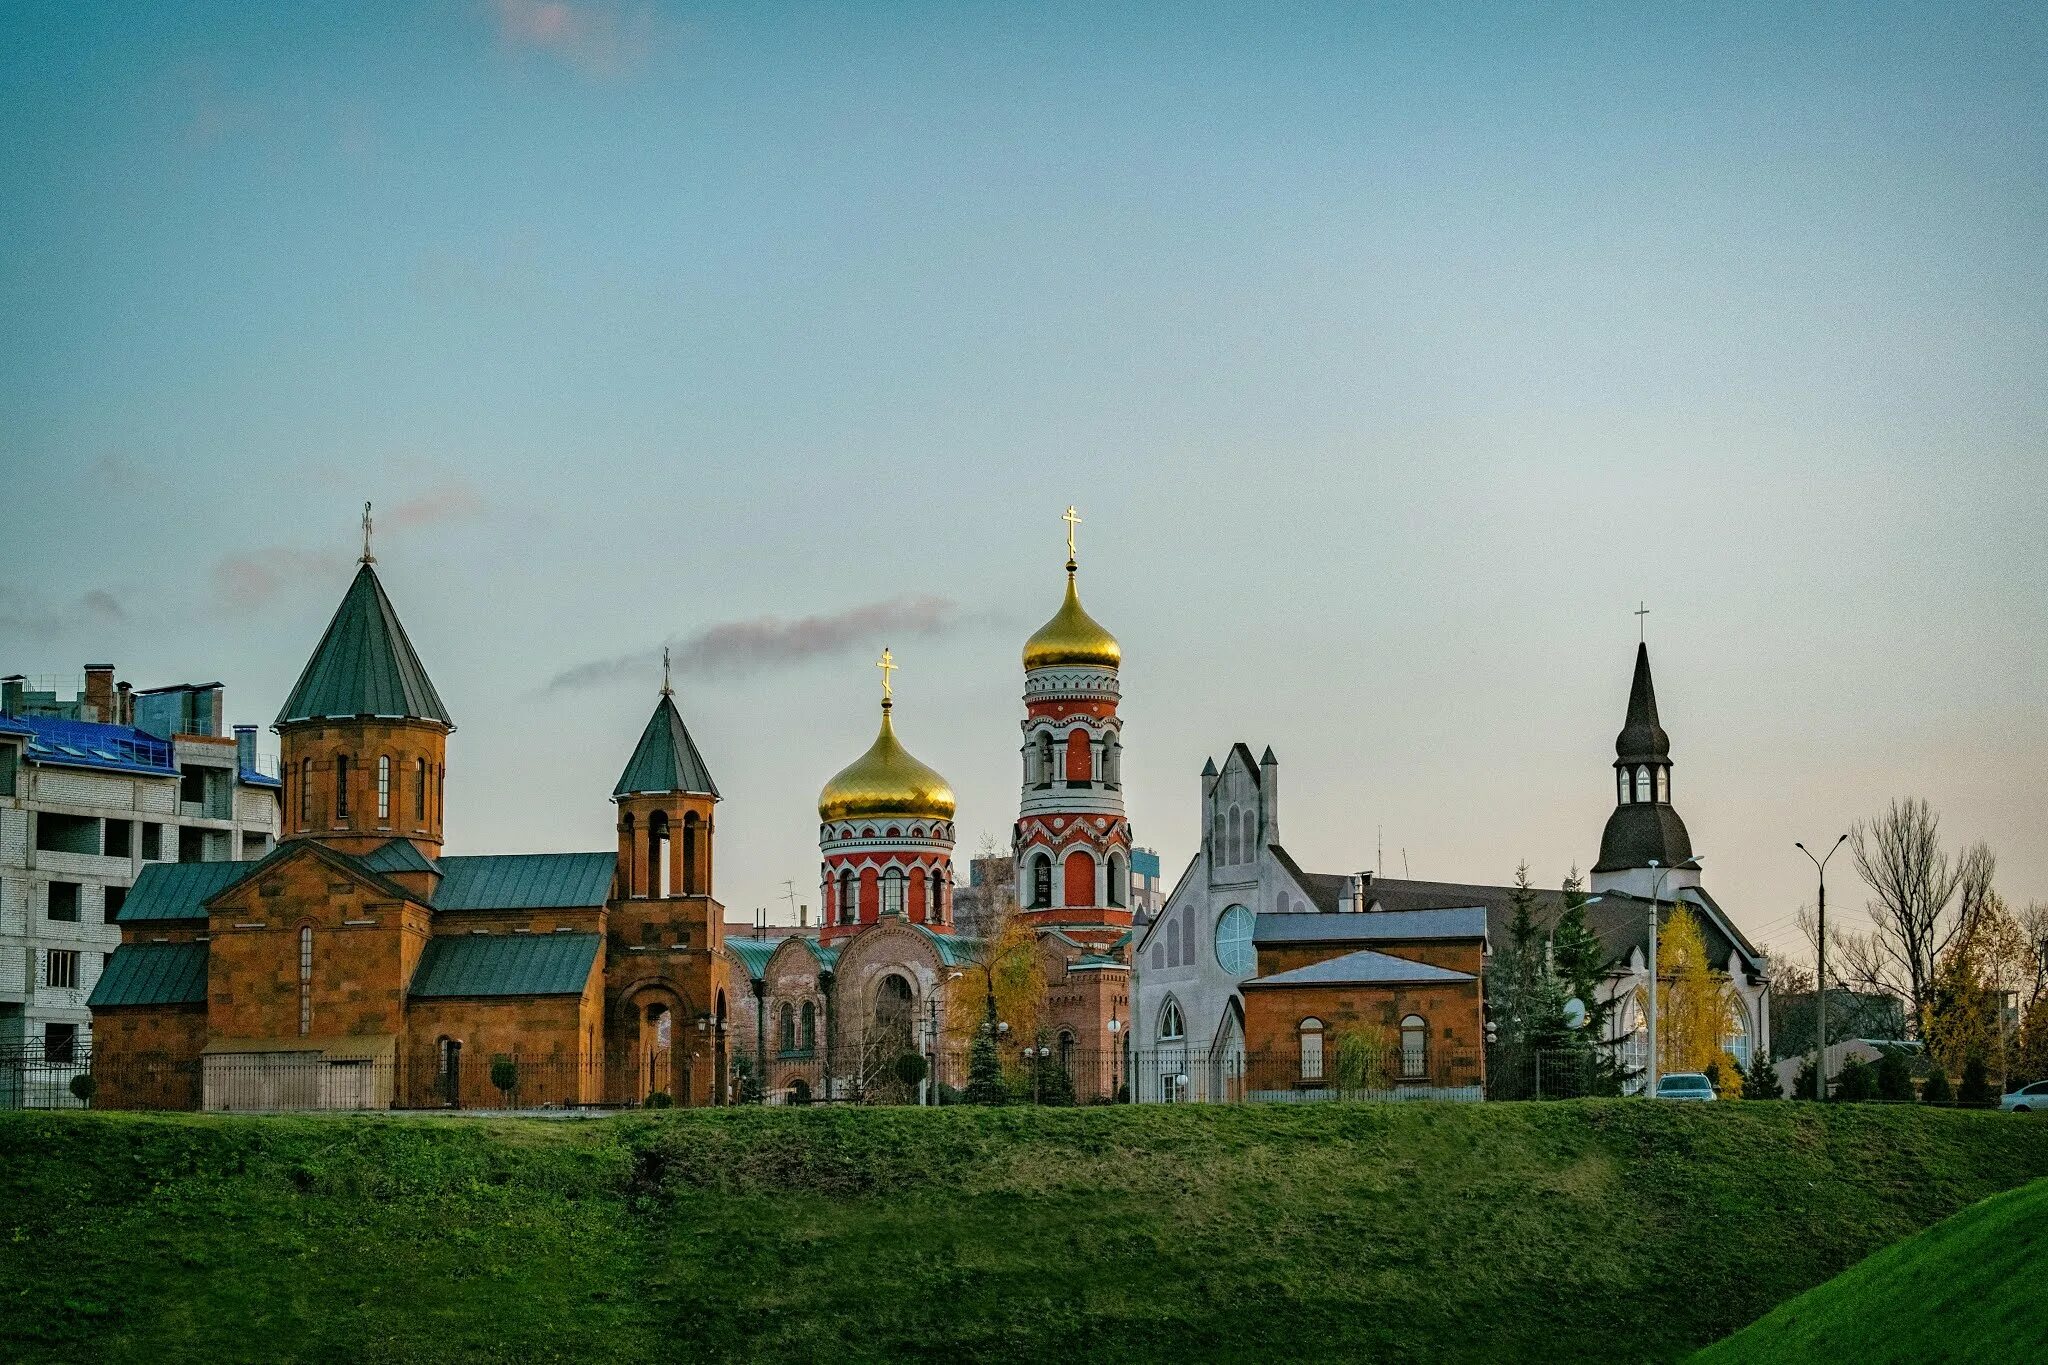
[(666, 690), (888, 665), (367, 558), (1072, 519), (1642, 632)]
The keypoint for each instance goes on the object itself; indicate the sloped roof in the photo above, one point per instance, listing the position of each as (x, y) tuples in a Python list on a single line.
[(504, 964), (1363, 968), (525, 881), (1641, 737), (152, 974), (364, 665), (752, 953), (1371, 926), (59, 742), (666, 759), (175, 891), (1325, 889), (1639, 831), (400, 855)]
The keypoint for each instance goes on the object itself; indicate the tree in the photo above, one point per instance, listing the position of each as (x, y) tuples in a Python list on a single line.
[(1856, 1081), (1976, 1088), (1961, 1021), (984, 1067), (1695, 1004), (1894, 1076), (1002, 978), (1937, 1090), (1806, 1085), (2029, 1060), (505, 1076), (746, 1086), (1359, 1060), (1922, 901), (1760, 1082)]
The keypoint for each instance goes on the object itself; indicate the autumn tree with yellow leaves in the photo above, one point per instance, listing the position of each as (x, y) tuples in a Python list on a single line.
[(1695, 1004)]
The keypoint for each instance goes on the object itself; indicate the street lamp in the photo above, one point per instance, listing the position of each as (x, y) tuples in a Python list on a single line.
[(1116, 1028), (1657, 890), (1820, 982)]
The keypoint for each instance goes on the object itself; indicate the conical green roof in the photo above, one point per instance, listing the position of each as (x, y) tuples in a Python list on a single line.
[(666, 759), (364, 665)]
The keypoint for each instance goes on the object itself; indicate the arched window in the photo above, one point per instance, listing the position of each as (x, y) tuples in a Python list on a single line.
[(1735, 1042), (1311, 1035), (305, 979), (1041, 881), (892, 891), (785, 1032), (1235, 826), (1251, 834), (1663, 776), (1080, 758), (808, 1039), (629, 840), (1079, 882), (1621, 785), (340, 787), (1066, 1053), (1643, 782), (1119, 880), (693, 865), (1173, 940), (419, 791), (1112, 761), (383, 789), (1219, 851), (848, 908), (305, 793), (1172, 1028), (1234, 951), (1045, 758), (935, 891), (1414, 1047), (657, 854)]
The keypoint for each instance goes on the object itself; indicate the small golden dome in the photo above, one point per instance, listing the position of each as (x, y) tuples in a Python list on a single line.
[(886, 780), (1072, 637)]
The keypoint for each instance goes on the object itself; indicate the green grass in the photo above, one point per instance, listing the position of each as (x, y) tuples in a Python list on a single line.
[(1974, 1287), (1598, 1230)]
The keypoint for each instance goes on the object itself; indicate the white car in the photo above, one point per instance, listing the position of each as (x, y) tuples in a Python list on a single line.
[(1685, 1085), (2026, 1098)]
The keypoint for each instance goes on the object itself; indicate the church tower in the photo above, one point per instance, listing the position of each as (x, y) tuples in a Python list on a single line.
[(885, 837), (363, 734), (665, 797), (1072, 843), (1644, 828)]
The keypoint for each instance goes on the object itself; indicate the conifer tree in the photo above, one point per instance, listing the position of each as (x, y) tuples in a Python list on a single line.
[(1894, 1076), (1976, 1088), (1760, 1082), (1937, 1089)]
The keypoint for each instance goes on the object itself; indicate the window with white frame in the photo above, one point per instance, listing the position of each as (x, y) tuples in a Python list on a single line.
[(1172, 1027), (1311, 1035), (1414, 1047), (892, 891), (383, 789), (305, 979)]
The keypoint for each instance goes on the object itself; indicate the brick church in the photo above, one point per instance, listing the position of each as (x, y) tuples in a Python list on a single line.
[(360, 965)]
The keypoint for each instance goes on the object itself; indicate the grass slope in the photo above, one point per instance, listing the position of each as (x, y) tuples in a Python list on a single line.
[(1596, 1230), (1973, 1287)]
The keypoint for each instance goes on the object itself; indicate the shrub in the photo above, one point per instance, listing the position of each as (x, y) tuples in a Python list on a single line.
[(1805, 1086), (658, 1099), (1937, 1090), (1894, 1077), (505, 1076), (1857, 1082), (911, 1068), (1977, 1088), (83, 1086), (1760, 1082)]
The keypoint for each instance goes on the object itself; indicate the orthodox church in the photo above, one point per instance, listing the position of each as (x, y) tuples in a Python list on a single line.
[(830, 1014), (361, 965)]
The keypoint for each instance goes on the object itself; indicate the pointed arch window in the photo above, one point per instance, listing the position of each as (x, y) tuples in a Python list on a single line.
[(1643, 782), (1662, 777), (785, 1032), (1041, 881), (1219, 851), (808, 1039), (1172, 1027), (847, 906), (1119, 881), (1621, 786)]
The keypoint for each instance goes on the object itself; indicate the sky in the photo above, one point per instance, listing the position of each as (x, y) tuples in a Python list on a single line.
[(1392, 355)]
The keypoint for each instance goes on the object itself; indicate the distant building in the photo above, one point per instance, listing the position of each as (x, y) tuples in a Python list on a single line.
[(1145, 890), (94, 788)]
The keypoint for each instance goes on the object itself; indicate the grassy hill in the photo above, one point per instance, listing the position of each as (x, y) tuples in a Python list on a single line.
[(1974, 1287), (1599, 1230)]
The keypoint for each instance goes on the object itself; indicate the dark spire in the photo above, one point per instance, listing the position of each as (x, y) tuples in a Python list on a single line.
[(1642, 739), (666, 759), (364, 665)]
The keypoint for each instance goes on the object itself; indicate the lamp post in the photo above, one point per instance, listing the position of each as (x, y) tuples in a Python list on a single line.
[(1116, 1029), (1656, 891), (1820, 981)]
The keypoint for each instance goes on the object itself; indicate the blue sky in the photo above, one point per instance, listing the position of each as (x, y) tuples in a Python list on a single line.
[(1391, 353)]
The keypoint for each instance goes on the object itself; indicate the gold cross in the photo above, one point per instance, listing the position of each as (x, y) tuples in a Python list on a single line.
[(367, 558), (888, 665), (1072, 519)]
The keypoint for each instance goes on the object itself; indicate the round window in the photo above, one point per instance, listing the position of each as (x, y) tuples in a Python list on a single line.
[(1234, 952)]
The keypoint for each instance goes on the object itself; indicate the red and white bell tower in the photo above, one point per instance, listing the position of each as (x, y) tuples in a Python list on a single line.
[(1072, 842)]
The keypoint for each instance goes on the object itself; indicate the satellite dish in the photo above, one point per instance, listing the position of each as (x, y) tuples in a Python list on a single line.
[(1575, 1013)]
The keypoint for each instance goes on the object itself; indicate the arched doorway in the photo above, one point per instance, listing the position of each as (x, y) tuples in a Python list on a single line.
[(657, 1040), (891, 1033)]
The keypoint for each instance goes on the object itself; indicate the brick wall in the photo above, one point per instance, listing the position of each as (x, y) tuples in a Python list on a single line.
[(1458, 955), (148, 1058), (1457, 1028), (405, 743)]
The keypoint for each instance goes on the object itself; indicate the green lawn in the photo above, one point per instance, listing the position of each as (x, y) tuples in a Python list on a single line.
[(1595, 1230), (1974, 1287)]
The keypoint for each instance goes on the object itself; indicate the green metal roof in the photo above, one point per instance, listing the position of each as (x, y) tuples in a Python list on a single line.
[(952, 951), (525, 881), (364, 665), (152, 974), (666, 759), (505, 964), (753, 953), (400, 855), (173, 891)]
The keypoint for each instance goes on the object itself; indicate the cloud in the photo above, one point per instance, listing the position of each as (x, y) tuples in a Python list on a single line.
[(39, 619), (764, 644), (451, 501), (252, 577), (596, 39)]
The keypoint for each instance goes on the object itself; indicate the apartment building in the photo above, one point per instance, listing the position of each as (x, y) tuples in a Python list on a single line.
[(93, 788)]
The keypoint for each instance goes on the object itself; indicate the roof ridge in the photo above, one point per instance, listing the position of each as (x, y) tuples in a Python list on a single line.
[(364, 665)]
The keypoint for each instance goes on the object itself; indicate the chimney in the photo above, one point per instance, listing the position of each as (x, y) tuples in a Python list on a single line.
[(245, 748), (10, 694), (99, 691), (803, 917), (1358, 881), (124, 703)]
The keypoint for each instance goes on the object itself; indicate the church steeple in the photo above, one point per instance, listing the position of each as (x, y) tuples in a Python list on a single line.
[(1644, 833), (665, 796)]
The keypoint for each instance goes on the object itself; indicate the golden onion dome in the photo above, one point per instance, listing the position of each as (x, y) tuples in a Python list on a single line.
[(886, 780), (1072, 637)]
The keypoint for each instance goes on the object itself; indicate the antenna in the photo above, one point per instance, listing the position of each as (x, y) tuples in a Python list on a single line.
[(789, 892), (1379, 848), (1404, 866)]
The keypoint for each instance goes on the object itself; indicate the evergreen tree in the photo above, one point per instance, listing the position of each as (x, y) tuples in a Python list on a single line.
[(1894, 1076), (1760, 1082), (1977, 1088), (985, 1083), (1805, 1085), (1937, 1090), (1857, 1082)]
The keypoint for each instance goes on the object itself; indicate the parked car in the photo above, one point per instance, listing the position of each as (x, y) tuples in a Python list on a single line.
[(2026, 1099), (1685, 1085)]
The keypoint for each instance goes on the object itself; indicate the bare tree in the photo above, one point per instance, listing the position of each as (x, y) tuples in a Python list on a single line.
[(1922, 901)]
